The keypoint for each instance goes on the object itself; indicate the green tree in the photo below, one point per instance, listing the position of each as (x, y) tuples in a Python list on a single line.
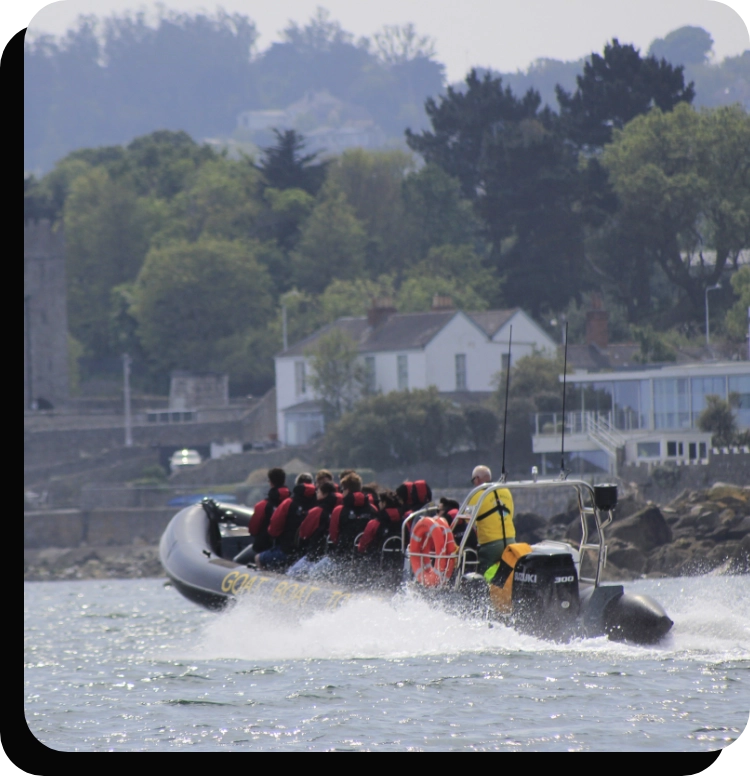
[(522, 177), (217, 199), (654, 348), (462, 122), (435, 213), (718, 419), (685, 46), (448, 270), (354, 298), (285, 166), (190, 297), (287, 211), (615, 88), (395, 429), (482, 424), (683, 183), (336, 374), (372, 183), (332, 244), (106, 242), (736, 320)]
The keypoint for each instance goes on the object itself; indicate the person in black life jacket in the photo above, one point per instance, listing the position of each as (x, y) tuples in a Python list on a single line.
[(262, 512), (313, 533), (384, 525), (350, 519), (285, 524)]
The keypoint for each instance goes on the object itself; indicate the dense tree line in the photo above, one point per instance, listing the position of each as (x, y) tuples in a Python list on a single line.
[(184, 256), (112, 79)]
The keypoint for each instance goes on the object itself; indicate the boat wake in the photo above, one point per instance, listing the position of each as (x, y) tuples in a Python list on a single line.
[(712, 623)]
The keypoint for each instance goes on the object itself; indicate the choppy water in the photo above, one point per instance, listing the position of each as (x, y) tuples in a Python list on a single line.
[(129, 665)]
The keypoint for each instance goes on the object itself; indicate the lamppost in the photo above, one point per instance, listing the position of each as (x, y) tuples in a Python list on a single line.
[(711, 288), (291, 293), (126, 362)]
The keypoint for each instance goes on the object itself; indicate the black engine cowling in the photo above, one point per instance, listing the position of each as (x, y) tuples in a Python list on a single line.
[(545, 593)]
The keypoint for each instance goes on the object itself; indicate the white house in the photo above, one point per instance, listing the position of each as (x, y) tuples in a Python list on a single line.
[(460, 353)]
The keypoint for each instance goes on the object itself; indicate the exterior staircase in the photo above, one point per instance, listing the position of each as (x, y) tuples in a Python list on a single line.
[(607, 438)]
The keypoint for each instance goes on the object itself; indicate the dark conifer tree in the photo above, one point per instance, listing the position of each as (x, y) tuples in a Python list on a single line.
[(616, 88), (285, 166)]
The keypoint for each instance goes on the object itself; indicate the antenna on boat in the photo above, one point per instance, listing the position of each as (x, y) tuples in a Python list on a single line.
[(565, 370), (505, 419)]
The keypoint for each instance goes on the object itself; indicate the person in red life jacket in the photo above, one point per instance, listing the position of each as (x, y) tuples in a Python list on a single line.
[(448, 509), (351, 518), (384, 525), (414, 495), (261, 519), (313, 533), (371, 491), (285, 523)]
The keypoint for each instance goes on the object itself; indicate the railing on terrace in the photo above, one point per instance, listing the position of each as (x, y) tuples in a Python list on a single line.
[(551, 423)]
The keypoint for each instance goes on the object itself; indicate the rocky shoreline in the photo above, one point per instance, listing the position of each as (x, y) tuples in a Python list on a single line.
[(127, 562), (699, 532)]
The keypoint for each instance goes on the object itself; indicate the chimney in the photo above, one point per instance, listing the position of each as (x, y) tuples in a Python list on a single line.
[(380, 310), (440, 303), (597, 323)]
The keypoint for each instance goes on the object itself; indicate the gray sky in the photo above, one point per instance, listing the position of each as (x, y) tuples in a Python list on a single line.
[(503, 34)]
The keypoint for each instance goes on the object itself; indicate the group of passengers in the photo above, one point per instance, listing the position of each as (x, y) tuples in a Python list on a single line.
[(321, 527)]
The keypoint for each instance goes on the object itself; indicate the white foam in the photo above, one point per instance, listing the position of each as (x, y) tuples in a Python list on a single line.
[(711, 624)]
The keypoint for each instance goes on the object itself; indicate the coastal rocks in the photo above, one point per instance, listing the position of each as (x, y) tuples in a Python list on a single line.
[(699, 532), (530, 528), (128, 562), (646, 529)]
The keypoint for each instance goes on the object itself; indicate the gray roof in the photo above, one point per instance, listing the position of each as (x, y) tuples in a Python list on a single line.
[(401, 331), (615, 356)]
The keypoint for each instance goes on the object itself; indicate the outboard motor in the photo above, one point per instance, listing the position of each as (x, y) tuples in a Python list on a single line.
[(545, 593)]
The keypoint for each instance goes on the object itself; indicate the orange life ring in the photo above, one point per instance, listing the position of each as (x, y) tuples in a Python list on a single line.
[(432, 549)]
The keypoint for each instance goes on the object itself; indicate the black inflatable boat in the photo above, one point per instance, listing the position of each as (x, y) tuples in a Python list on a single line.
[(550, 589)]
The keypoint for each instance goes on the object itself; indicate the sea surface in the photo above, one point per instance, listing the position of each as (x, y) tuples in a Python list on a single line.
[(130, 665)]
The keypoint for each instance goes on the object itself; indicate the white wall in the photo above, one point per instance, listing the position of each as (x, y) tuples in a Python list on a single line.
[(527, 335), (461, 335)]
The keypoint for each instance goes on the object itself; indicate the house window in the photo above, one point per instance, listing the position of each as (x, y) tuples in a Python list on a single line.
[(300, 384), (675, 449), (370, 374), (403, 373), (460, 371), (649, 449), (504, 362)]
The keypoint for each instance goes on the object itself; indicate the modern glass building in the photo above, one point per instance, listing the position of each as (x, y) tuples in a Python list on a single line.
[(643, 414)]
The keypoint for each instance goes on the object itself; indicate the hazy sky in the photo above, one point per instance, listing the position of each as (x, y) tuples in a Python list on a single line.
[(503, 34)]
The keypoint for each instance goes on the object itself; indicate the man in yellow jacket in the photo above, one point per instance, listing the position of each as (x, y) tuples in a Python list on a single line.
[(494, 524)]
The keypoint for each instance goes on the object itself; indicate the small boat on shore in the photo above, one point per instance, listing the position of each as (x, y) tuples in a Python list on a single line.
[(550, 589)]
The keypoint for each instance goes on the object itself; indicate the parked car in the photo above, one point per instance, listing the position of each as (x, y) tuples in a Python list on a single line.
[(183, 458)]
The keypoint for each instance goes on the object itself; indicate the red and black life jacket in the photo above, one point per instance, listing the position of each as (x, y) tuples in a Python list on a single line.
[(302, 501), (261, 518), (385, 524), (415, 494), (313, 533), (350, 519)]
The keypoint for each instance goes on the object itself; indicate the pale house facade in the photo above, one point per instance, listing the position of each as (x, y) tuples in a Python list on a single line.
[(459, 353)]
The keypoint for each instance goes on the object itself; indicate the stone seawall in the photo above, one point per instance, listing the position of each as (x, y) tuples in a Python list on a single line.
[(68, 528)]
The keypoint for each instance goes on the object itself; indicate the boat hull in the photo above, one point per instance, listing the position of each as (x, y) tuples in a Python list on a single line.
[(188, 552)]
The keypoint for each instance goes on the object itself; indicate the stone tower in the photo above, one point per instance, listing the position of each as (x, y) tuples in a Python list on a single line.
[(45, 317)]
